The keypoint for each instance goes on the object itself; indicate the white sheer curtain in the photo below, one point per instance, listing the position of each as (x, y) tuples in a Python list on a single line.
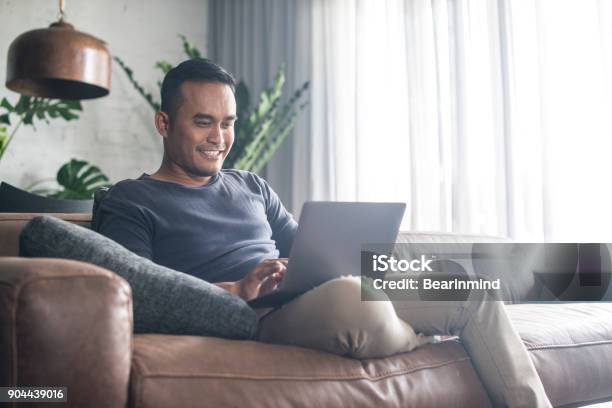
[(378, 97), (483, 116)]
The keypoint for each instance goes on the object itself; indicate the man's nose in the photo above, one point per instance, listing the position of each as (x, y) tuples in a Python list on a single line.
[(215, 135)]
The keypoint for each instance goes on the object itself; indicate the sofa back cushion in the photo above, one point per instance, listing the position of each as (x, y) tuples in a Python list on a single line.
[(11, 225)]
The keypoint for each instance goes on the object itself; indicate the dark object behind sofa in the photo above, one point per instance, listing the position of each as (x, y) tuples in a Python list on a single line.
[(16, 200)]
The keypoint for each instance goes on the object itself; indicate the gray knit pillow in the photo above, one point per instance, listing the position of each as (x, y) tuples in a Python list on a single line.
[(165, 301)]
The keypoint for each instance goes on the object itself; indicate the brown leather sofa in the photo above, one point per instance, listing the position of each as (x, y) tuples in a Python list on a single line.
[(67, 323)]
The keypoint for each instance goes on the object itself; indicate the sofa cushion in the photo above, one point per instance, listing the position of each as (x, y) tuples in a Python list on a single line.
[(571, 346), (165, 301), (188, 371)]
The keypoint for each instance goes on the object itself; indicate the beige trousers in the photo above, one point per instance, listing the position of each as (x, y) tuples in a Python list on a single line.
[(333, 318)]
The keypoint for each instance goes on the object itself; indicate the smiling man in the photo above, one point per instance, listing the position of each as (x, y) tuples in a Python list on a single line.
[(189, 215), (229, 228)]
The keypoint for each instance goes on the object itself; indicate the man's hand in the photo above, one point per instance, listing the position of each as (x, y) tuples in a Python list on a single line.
[(260, 280)]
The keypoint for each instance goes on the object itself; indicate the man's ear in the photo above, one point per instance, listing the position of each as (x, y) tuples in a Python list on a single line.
[(162, 123)]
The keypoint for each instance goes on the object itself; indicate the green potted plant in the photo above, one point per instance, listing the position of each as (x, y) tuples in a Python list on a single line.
[(75, 180), (27, 110)]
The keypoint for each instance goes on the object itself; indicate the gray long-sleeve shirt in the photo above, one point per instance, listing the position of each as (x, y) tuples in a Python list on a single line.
[(216, 232)]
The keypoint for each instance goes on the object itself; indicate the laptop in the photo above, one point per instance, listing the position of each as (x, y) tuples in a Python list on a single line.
[(328, 244)]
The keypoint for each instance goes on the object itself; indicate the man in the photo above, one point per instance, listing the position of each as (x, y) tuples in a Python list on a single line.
[(229, 227)]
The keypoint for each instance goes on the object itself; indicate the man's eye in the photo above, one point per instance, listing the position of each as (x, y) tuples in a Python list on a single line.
[(203, 123), (227, 125)]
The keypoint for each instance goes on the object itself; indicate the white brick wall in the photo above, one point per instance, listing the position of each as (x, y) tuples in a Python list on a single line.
[(115, 132)]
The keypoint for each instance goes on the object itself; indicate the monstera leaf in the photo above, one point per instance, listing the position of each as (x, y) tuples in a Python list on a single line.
[(79, 180)]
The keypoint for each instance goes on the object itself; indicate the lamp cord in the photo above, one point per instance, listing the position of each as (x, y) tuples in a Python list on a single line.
[(61, 15)]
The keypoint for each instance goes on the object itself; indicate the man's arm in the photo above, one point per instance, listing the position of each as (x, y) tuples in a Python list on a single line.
[(281, 221)]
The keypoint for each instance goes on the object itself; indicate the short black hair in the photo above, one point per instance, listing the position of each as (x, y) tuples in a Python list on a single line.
[(195, 69)]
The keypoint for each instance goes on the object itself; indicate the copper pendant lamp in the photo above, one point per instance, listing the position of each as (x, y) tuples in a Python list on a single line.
[(59, 62)]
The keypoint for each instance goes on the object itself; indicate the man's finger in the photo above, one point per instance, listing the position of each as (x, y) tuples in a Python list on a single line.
[(264, 270), (271, 282)]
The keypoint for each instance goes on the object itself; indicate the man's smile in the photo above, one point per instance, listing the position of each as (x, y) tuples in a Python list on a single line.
[(213, 153)]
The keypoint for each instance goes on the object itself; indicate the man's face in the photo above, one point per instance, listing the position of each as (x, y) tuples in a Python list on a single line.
[(200, 133)]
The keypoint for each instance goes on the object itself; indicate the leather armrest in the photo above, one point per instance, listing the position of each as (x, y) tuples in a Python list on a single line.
[(66, 323)]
